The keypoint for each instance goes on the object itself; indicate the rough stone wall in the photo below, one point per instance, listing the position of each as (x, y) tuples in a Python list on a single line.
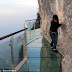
[(63, 8)]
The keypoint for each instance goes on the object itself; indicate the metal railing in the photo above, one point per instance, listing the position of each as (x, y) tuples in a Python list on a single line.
[(6, 36), (16, 60), (12, 34)]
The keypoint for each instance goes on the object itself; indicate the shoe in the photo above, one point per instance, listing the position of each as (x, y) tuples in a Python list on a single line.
[(51, 47), (54, 49)]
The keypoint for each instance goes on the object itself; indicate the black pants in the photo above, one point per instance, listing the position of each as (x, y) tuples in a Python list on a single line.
[(54, 38)]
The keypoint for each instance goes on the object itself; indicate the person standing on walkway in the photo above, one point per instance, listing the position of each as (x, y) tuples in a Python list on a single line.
[(53, 31)]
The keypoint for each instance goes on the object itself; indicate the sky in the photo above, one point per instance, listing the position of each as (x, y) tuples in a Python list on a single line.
[(16, 12), (17, 9)]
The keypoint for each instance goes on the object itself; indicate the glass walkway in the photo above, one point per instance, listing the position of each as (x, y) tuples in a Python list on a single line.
[(40, 57)]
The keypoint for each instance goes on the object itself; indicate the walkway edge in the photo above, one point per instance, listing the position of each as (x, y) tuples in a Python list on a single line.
[(21, 63), (45, 36)]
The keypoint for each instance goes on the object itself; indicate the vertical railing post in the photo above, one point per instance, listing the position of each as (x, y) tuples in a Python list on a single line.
[(34, 28), (27, 66), (34, 25), (30, 30), (25, 54), (25, 45), (12, 58)]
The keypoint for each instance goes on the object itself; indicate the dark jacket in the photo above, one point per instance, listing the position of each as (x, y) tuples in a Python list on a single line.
[(54, 26)]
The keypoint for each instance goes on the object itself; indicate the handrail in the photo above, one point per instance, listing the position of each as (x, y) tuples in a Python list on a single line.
[(30, 20), (12, 34), (15, 32)]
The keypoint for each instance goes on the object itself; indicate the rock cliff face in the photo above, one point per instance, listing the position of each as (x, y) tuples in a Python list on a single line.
[(37, 22), (63, 8)]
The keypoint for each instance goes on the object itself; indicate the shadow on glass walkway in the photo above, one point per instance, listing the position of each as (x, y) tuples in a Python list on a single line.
[(28, 51)]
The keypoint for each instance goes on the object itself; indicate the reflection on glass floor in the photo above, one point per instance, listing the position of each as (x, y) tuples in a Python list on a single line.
[(41, 58)]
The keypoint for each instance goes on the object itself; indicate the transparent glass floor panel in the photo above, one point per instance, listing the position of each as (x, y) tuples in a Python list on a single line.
[(41, 58), (35, 43), (41, 65), (34, 52)]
